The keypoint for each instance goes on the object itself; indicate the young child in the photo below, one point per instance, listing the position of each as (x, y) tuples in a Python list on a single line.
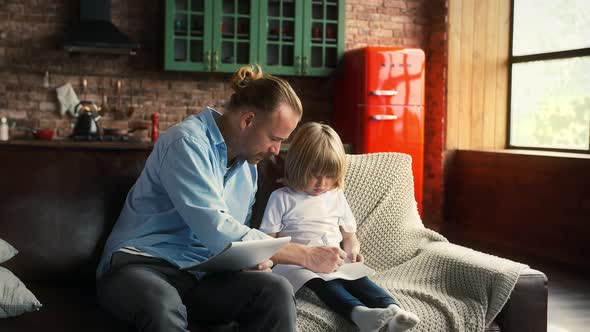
[(312, 209)]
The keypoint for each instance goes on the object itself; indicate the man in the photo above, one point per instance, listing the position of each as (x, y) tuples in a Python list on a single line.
[(193, 197)]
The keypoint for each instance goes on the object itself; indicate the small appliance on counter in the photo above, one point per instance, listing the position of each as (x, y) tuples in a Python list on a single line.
[(87, 127)]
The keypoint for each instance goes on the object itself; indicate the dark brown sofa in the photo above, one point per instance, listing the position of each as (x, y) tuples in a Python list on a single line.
[(58, 203)]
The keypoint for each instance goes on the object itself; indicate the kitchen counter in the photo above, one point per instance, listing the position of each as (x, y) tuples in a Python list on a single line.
[(97, 145), (70, 144)]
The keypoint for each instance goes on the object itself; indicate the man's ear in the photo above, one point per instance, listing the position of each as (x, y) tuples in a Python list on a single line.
[(247, 119)]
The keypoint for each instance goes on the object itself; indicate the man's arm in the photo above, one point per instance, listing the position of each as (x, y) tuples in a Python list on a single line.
[(316, 259), (188, 178)]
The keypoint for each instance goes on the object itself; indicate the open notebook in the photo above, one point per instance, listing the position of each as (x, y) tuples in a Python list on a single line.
[(241, 255)]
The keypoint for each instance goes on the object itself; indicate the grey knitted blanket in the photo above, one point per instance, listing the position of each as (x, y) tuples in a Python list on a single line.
[(451, 288)]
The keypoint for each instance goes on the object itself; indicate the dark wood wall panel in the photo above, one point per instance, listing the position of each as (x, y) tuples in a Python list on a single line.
[(531, 205)]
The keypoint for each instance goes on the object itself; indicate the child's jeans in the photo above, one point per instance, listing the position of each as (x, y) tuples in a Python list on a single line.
[(343, 295)]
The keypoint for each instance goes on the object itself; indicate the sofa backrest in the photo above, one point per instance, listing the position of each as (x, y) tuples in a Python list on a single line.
[(57, 206)]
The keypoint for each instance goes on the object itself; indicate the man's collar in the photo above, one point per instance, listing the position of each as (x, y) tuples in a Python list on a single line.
[(209, 115)]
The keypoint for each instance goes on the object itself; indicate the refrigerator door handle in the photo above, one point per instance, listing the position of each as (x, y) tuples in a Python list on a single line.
[(383, 93), (383, 117)]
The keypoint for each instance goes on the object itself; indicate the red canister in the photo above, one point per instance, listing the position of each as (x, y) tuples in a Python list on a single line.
[(155, 127)]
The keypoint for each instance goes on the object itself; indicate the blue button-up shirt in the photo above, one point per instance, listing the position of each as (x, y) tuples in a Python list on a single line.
[(187, 205)]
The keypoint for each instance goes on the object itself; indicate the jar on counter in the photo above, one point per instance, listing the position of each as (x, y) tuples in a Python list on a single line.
[(3, 129)]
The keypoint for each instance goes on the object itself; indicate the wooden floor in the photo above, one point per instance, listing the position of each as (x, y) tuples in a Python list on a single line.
[(569, 289), (569, 299)]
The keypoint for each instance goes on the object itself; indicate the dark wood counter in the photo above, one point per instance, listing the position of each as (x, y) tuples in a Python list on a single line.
[(84, 145), (97, 145)]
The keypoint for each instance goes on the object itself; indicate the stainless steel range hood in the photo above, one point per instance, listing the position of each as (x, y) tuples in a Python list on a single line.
[(95, 33)]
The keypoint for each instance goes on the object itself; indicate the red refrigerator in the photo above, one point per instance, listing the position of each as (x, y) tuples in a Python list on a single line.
[(379, 104)]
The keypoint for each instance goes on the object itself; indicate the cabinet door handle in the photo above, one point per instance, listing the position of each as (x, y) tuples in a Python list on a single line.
[(305, 64), (208, 60), (215, 60), (383, 117), (297, 65), (383, 93)]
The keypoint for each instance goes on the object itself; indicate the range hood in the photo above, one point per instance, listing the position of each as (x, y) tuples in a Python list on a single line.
[(95, 33)]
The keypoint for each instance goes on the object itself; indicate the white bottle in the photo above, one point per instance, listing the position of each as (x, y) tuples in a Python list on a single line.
[(3, 129)]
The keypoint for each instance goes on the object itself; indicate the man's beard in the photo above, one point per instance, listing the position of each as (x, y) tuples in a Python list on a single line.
[(257, 158)]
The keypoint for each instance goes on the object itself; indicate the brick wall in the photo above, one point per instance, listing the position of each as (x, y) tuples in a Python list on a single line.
[(30, 31)]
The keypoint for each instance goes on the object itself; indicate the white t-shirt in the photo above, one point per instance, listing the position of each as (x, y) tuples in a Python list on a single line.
[(307, 219)]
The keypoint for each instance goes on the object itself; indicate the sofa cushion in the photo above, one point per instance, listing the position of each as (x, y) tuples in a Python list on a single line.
[(6, 251), (15, 298)]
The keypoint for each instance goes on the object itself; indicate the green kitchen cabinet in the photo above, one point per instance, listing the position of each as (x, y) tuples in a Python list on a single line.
[(286, 37), (301, 37), (210, 35)]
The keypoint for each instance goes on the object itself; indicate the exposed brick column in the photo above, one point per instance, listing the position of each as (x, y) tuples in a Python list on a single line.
[(436, 87)]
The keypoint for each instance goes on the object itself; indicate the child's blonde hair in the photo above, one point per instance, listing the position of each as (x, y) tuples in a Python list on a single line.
[(315, 150)]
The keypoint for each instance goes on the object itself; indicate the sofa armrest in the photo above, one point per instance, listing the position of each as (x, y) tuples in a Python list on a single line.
[(526, 310)]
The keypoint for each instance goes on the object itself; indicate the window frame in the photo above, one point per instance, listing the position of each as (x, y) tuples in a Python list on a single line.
[(512, 59)]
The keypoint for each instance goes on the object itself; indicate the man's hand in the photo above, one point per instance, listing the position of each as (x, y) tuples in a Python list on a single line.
[(324, 259), (316, 259), (262, 267)]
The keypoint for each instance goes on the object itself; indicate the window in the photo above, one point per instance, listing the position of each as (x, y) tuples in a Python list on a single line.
[(550, 75)]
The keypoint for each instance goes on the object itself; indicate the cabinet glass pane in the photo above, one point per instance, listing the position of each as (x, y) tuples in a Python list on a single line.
[(317, 11), (243, 53), (229, 6), (196, 25), (244, 7), (227, 27), (243, 29), (180, 49), (272, 55), (317, 32), (331, 32), (287, 55), (227, 52), (316, 57), (288, 31), (273, 29), (196, 51), (274, 8), (331, 57), (332, 12), (197, 5), (288, 9), (180, 24), (181, 4)]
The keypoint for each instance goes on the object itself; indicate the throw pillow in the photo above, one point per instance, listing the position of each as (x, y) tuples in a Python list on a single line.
[(6, 251), (15, 298)]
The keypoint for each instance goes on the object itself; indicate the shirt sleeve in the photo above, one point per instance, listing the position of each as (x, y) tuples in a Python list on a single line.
[(188, 177), (273, 214), (347, 220), (252, 200)]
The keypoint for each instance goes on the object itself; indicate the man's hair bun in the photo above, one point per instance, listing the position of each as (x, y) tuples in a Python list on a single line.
[(245, 75)]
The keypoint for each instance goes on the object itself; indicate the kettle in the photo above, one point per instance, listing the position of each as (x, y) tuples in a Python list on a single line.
[(87, 123)]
